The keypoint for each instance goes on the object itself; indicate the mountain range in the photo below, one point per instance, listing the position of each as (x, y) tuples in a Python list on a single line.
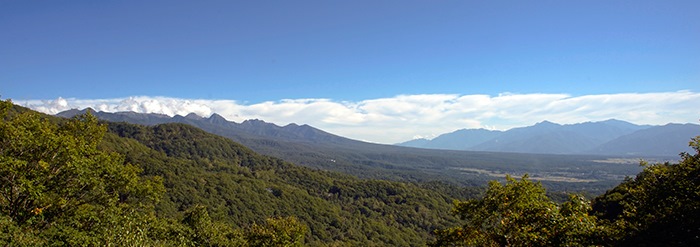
[(610, 137), (246, 132), (311, 147)]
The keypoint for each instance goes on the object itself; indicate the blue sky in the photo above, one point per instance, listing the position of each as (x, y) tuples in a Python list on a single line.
[(254, 52)]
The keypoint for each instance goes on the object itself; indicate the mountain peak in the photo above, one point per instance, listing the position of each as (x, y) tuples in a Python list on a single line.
[(69, 113), (296, 126), (217, 119), (193, 116), (214, 116), (618, 123), (547, 122), (253, 122), (612, 120), (74, 112)]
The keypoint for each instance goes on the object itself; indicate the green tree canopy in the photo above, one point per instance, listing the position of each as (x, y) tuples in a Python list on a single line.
[(57, 185), (660, 206), (518, 213)]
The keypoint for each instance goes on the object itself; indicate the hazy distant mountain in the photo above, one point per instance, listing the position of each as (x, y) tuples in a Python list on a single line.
[(668, 140), (583, 138), (544, 137), (604, 131), (416, 143), (548, 137), (463, 139)]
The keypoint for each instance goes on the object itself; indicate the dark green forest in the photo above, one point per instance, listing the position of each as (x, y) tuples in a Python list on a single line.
[(81, 182)]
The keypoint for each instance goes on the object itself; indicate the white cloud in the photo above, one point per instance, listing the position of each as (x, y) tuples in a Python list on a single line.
[(401, 118)]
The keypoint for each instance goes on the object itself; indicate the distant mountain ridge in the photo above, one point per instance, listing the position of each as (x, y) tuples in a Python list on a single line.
[(217, 124), (307, 146), (666, 139), (462, 139), (610, 137)]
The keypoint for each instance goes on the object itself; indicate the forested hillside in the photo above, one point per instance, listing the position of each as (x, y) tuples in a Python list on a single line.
[(241, 187), (78, 182), (189, 187)]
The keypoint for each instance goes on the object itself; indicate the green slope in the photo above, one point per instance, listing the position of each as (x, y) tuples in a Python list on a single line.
[(217, 192), (240, 187)]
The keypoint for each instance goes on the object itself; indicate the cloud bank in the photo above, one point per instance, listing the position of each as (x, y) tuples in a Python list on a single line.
[(405, 117)]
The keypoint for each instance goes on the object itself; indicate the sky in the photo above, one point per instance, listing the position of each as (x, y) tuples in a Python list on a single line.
[(380, 71)]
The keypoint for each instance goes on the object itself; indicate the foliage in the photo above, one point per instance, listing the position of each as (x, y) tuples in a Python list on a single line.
[(240, 187), (60, 187), (518, 214), (660, 206), (57, 186), (276, 232)]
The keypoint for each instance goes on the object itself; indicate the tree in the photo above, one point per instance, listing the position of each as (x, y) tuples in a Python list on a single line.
[(205, 232), (659, 207), (57, 184), (518, 214), (277, 232)]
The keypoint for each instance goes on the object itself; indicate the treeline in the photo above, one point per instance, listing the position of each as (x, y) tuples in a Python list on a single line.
[(80, 182)]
